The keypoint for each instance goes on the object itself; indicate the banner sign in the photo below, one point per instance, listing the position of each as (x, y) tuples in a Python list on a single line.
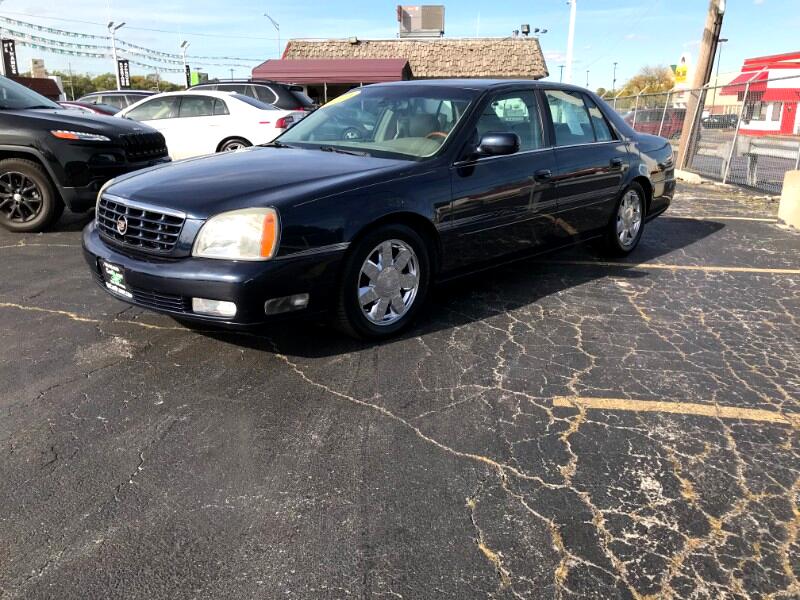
[(188, 76), (10, 58), (124, 69)]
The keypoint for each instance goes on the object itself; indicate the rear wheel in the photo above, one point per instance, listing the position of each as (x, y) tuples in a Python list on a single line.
[(28, 199), (234, 144), (626, 226), (384, 283)]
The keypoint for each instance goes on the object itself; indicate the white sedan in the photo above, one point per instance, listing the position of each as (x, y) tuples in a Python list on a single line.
[(204, 122)]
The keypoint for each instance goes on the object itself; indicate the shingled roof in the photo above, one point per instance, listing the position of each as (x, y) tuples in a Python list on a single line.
[(441, 58)]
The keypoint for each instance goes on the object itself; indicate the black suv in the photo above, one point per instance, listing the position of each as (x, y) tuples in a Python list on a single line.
[(280, 95), (52, 157)]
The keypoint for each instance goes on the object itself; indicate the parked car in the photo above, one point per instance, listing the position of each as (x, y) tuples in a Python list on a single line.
[(280, 95), (118, 98), (95, 109), (649, 120), (203, 122), (51, 157), (453, 177), (727, 121)]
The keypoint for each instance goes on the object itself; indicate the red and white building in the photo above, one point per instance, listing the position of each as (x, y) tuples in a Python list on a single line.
[(771, 105)]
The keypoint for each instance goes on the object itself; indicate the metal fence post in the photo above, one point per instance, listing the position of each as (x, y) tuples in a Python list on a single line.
[(664, 113), (635, 110), (736, 133)]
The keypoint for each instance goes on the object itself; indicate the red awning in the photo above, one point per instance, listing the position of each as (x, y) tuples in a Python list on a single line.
[(757, 81), (781, 95), (334, 70)]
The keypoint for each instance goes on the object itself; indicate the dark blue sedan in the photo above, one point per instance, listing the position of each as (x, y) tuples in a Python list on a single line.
[(449, 177)]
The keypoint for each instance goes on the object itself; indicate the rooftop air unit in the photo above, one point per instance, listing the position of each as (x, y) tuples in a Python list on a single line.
[(421, 21)]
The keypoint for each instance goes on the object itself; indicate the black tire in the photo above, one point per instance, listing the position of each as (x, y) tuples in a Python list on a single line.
[(41, 205), (349, 316), (233, 144), (613, 245)]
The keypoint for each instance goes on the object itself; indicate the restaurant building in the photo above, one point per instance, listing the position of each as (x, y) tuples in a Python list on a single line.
[(329, 68)]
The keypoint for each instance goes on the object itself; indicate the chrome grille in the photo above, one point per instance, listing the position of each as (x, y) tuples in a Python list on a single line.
[(146, 228)]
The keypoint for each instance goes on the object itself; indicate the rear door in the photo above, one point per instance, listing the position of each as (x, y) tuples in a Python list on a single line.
[(161, 114), (501, 203), (200, 126), (590, 163)]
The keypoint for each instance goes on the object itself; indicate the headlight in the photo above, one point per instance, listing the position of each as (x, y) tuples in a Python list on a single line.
[(247, 234), (79, 135)]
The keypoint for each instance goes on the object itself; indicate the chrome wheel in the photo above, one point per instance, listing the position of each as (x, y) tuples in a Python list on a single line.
[(20, 197), (388, 282), (233, 146), (629, 218)]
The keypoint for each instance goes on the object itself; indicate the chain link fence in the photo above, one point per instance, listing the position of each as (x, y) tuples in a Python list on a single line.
[(745, 133)]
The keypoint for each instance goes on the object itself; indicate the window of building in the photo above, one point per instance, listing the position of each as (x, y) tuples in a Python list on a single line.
[(776, 111)]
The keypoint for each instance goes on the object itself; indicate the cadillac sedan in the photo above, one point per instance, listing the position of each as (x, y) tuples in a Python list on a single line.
[(452, 176)]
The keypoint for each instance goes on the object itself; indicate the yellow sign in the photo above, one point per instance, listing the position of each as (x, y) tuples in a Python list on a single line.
[(342, 98)]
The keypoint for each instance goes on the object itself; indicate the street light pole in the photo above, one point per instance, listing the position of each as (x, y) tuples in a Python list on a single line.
[(184, 46), (112, 29), (277, 27), (716, 77), (573, 10), (614, 82), (587, 79), (561, 74)]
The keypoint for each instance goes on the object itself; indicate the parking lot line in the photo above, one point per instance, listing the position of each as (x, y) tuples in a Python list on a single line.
[(666, 267), (679, 408)]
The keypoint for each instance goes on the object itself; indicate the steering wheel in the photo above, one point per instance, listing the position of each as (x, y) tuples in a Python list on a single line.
[(434, 134)]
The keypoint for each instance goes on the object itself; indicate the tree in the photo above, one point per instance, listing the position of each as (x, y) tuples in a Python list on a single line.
[(601, 91), (80, 84), (651, 79)]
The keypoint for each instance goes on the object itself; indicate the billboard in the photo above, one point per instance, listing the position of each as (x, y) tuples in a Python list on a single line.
[(10, 58)]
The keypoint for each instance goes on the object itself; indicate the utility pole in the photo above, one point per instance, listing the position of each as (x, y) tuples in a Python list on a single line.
[(702, 74), (71, 86), (231, 72), (561, 74), (112, 29), (614, 82), (184, 46), (587, 79), (573, 10)]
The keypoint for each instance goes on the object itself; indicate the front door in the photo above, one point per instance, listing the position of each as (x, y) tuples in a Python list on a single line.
[(590, 163), (500, 203)]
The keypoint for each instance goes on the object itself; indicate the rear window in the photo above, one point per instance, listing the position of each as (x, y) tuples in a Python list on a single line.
[(253, 102), (304, 100), (239, 88)]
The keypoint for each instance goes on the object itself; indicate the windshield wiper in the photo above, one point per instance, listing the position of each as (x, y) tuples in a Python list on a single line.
[(341, 151), (276, 144)]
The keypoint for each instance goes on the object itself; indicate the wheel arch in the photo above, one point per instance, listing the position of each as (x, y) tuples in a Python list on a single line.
[(419, 223), (33, 155), (647, 186)]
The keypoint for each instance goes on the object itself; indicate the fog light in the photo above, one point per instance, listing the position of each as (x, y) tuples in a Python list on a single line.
[(274, 306), (215, 308)]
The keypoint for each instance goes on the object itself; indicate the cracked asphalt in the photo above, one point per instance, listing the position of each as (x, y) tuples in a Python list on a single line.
[(563, 427)]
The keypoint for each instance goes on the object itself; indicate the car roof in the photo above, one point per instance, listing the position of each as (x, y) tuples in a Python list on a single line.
[(191, 92), (483, 84), (120, 92)]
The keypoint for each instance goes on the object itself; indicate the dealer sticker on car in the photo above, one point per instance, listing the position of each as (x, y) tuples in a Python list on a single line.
[(115, 279)]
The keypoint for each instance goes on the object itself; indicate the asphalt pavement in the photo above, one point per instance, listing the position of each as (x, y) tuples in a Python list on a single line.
[(563, 427)]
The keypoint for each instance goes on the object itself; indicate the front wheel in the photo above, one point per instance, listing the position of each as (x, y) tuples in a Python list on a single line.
[(28, 199), (626, 227), (384, 283)]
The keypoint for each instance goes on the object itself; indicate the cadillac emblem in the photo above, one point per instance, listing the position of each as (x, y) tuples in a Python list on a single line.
[(122, 225)]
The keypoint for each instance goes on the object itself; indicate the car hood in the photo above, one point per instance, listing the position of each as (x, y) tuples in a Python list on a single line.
[(258, 176), (80, 121)]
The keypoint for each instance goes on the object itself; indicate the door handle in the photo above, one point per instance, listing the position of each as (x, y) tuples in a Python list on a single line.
[(616, 163), (543, 175)]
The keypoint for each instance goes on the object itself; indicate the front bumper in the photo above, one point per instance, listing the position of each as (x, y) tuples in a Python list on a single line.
[(168, 285)]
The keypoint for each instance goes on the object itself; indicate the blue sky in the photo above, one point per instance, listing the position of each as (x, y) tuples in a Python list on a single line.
[(631, 32)]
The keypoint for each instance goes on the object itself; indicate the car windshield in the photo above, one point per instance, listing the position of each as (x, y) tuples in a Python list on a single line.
[(399, 121), (16, 96)]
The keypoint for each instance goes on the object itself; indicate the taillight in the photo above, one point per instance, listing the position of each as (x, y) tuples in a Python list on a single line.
[(284, 122)]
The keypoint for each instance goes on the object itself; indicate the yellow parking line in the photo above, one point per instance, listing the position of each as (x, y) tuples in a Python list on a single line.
[(679, 408), (665, 267)]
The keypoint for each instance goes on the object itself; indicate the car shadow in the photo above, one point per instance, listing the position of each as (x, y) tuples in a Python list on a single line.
[(479, 296)]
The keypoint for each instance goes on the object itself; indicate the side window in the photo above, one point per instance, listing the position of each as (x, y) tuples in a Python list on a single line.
[(115, 100), (513, 112), (220, 108), (570, 118), (265, 94), (196, 106), (602, 132), (239, 88), (157, 108)]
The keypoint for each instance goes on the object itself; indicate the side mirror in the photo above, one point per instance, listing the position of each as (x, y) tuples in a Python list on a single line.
[(498, 144)]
